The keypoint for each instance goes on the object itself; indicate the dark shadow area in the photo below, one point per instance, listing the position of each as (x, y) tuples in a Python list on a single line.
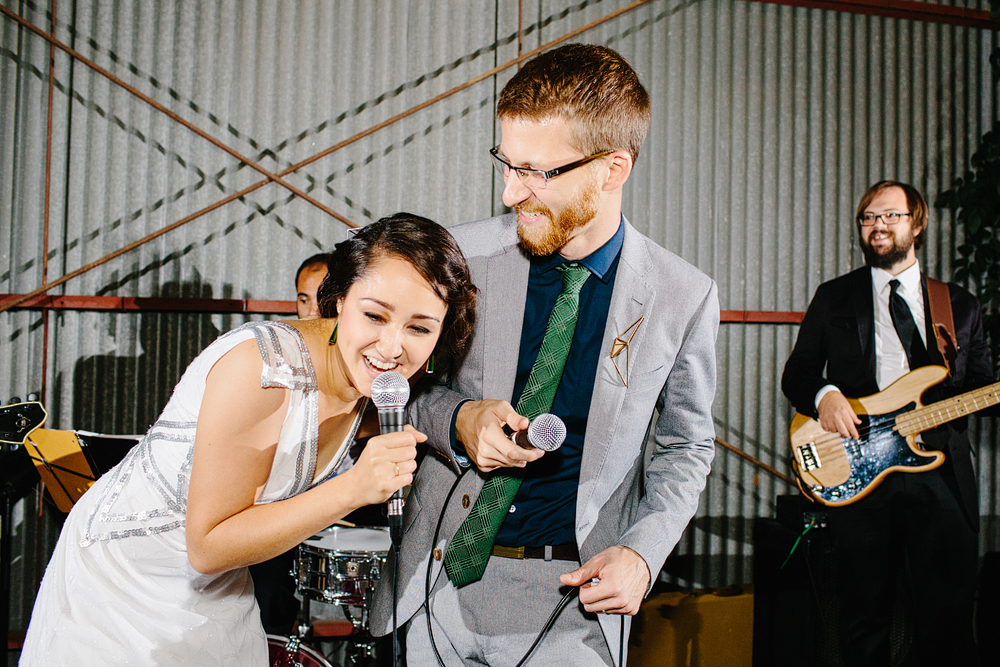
[(124, 395), (731, 565), (796, 602), (988, 609)]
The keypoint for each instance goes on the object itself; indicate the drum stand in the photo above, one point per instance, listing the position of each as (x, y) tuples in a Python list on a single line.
[(340, 567), (361, 644)]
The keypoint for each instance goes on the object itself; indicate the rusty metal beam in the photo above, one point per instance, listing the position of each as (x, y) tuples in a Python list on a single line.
[(520, 27), (471, 82), (892, 8), (762, 316), (6, 305), (901, 9), (48, 198), (174, 116), (133, 304), (357, 137), (757, 462)]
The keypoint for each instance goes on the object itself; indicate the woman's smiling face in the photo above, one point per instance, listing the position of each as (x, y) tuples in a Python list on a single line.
[(389, 320)]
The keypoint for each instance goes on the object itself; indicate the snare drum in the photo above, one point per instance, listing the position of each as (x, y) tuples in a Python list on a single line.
[(342, 565), (282, 652)]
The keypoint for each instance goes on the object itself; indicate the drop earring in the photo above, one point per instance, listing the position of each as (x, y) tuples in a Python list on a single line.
[(429, 366), (333, 336)]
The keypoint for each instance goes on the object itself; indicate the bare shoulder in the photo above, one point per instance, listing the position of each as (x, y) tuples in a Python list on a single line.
[(243, 361), (233, 389)]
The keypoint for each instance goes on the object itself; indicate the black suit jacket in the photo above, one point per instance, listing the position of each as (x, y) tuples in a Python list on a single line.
[(836, 345)]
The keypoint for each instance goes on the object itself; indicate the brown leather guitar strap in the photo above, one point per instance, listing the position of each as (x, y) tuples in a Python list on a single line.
[(941, 317)]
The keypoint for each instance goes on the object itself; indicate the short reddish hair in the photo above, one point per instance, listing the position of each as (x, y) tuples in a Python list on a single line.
[(590, 86)]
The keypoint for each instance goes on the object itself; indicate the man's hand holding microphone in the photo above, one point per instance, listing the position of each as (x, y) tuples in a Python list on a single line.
[(484, 428)]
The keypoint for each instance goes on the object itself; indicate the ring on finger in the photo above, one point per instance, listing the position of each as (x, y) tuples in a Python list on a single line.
[(397, 470)]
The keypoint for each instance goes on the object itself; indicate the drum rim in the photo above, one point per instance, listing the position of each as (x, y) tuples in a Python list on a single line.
[(317, 549), (312, 542), (335, 527), (303, 648)]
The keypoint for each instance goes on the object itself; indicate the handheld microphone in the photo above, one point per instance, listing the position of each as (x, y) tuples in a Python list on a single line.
[(545, 432), (390, 392)]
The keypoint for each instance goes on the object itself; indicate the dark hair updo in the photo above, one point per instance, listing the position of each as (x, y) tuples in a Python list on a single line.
[(430, 249)]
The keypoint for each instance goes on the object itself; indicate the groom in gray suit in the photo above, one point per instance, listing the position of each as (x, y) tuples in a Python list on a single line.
[(495, 535)]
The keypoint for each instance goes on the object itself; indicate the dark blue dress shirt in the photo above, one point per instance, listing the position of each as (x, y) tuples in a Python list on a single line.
[(544, 510)]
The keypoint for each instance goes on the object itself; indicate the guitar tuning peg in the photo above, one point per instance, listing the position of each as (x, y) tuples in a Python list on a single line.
[(13, 400), (33, 396)]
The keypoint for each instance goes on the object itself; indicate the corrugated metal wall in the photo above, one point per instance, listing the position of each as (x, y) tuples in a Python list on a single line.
[(769, 122)]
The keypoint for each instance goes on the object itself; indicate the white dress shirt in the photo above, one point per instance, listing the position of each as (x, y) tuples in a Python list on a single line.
[(890, 358)]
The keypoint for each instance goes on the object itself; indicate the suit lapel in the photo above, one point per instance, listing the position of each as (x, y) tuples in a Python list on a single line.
[(506, 290), (864, 311), (600, 469)]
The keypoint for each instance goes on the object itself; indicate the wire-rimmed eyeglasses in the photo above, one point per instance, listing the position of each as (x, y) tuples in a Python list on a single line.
[(537, 179), (889, 218)]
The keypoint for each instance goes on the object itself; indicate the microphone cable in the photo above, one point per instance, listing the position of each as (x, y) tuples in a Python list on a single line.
[(430, 561), (427, 592), (395, 604)]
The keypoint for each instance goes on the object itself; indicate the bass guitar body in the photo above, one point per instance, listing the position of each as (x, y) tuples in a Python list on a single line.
[(834, 470)]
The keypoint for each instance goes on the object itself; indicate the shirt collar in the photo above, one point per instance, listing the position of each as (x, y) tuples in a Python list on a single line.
[(598, 262), (909, 279)]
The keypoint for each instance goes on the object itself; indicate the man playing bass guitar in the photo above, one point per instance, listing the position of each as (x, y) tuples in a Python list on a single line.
[(863, 331)]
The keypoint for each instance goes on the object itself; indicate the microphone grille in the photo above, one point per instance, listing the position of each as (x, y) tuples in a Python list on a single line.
[(547, 432), (390, 390)]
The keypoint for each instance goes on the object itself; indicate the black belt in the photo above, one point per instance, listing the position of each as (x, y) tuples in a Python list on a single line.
[(557, 552)]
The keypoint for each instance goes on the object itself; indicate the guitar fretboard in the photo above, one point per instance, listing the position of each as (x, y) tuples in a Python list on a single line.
[(935, 414)]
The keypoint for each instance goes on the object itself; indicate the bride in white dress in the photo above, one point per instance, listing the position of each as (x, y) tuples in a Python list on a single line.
[(247, 460)]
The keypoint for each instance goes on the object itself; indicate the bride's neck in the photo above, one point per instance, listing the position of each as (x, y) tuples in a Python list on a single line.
[(332, 379)]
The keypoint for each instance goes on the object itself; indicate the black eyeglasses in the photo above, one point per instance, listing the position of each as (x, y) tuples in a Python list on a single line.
[(537, 179), (890, 218)]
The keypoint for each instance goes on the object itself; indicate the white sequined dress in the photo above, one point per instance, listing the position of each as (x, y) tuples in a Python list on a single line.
[(119, 589)]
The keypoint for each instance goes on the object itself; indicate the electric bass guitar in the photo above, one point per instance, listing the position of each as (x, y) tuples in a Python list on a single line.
[(834, 470), (19, 420)]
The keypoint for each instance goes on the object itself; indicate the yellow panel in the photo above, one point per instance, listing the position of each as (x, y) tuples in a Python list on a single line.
[(694, 630), (61, 464)]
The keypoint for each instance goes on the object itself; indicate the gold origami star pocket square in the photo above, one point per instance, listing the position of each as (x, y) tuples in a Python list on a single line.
[(621, 344)]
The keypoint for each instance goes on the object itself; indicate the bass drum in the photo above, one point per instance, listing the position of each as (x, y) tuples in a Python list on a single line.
[(279, 654)]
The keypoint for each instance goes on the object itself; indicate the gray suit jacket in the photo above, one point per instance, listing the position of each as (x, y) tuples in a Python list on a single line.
[(672, 370)]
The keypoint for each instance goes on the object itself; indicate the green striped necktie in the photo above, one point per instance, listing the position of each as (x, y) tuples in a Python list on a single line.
[(469, 551)]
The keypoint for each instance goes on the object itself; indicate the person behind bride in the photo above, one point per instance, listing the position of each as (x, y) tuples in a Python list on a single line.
[(248, 459)]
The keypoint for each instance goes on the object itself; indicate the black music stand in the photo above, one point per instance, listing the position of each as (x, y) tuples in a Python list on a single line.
[(17, 478), (68, 472)]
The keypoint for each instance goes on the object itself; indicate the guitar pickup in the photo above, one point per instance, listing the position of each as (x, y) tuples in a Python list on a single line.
[(807, 456)]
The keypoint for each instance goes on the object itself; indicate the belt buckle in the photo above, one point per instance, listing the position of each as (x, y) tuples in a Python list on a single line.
[(508, 552)]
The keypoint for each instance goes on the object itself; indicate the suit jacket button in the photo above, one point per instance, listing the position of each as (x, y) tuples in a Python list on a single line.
[(437, 554), (465, 501)]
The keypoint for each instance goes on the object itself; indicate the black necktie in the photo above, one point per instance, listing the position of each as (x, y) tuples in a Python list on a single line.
[(906, 328)]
